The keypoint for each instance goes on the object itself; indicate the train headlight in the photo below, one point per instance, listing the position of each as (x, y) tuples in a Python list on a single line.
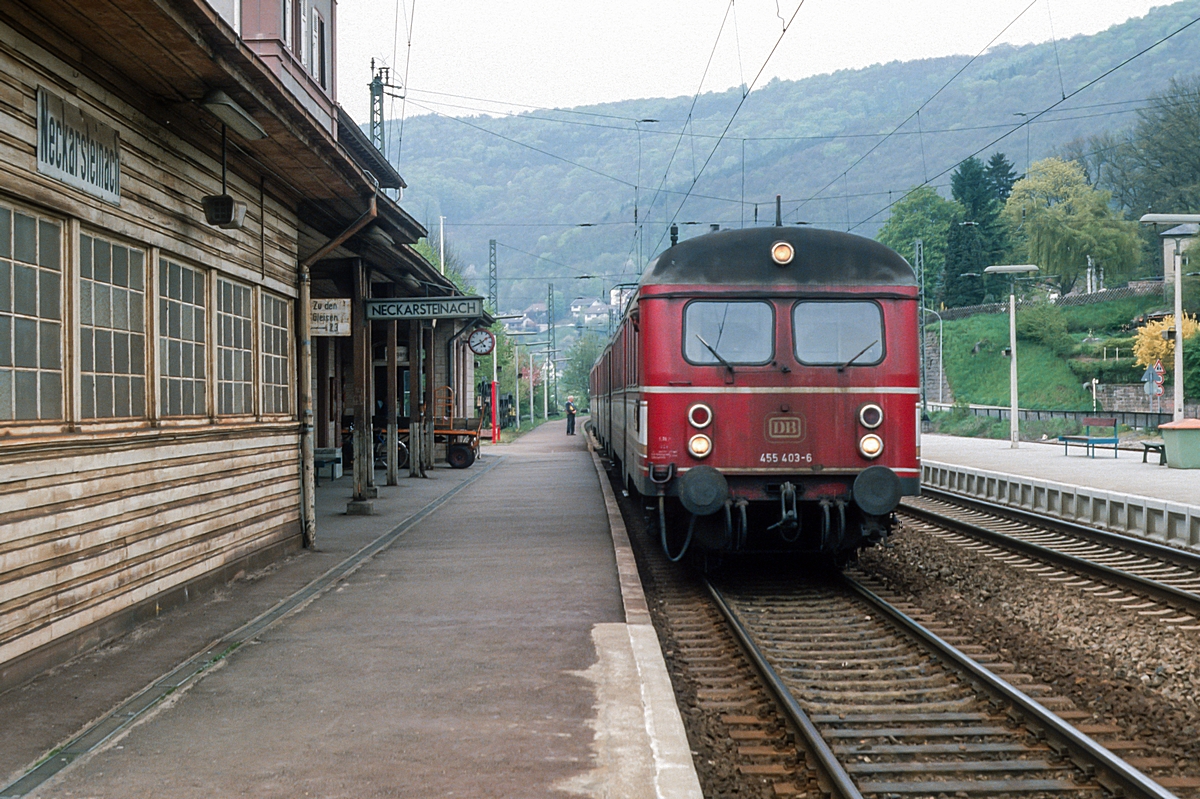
[(870, 416), (782, 253), (700, 446), (871, 446), (700, 416)]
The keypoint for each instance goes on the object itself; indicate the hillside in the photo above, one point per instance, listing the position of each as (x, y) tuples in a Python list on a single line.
[(798, 138)]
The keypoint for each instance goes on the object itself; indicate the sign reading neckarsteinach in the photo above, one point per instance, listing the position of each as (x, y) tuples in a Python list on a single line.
[(77, 149), (426, 308)]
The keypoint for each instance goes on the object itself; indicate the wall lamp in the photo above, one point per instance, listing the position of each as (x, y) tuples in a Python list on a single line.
[(222, 106)]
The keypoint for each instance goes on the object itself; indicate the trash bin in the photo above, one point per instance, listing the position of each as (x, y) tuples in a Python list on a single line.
[(1183, 443)]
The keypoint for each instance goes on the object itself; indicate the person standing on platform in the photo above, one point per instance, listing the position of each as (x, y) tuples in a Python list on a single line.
[(570, 408)]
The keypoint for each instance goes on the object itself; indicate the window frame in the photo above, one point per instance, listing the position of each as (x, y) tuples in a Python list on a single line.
[(747, 301), (148, 332), (287, 356), (64, 272), (249, 381), (883, 348)]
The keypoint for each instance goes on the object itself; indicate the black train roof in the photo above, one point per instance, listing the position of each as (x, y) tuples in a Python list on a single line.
[(743, 257)]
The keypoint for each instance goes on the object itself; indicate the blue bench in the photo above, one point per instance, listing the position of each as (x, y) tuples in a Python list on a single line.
[(1092, 441)]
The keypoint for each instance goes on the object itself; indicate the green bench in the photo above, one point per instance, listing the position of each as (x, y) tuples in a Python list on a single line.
[(1092, 441)]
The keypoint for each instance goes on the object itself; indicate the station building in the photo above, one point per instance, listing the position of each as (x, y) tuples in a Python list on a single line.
[(161, 397)]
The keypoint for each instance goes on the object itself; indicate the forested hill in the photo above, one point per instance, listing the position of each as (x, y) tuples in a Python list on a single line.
[(795, 138)]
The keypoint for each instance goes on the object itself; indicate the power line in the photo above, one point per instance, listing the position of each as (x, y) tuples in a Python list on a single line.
[(745, 93), (1044, 111), (931, 98)]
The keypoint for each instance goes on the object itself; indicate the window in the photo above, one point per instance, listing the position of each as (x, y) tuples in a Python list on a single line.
[(837, 333), (31, 331), (738, 332), (288, 37), (112, 329), (320, 54), (235, 337), (276, 340), (182, 308)]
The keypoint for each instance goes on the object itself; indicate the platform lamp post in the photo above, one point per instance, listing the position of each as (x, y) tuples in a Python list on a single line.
[(517, 372), (1176, 219), (1013, 270)]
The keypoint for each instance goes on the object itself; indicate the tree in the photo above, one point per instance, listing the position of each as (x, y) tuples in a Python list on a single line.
[(582, 354), (922, 214), (1061, 221), (964, 281), (1150, 346), (1000, 176)]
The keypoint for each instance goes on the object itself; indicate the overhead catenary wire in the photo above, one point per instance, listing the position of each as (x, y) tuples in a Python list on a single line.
[(745, 93), (928, 100), (1044, 111)]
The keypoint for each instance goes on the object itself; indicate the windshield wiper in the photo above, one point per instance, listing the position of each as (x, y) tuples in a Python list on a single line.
[(842, 368), (716, 354)]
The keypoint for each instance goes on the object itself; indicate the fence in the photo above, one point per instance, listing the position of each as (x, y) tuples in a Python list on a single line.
[(1133, 419), (1140, 289)]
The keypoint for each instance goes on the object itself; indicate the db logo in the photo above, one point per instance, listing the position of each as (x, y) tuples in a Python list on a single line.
[(785, 428)]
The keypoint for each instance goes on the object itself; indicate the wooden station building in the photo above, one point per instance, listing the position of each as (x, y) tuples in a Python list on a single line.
[(161, 396)]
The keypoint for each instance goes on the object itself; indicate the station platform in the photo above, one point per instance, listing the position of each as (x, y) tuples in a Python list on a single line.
[(484, 634), (1120, 494)]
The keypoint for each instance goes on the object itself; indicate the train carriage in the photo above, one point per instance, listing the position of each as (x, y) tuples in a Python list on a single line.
[(763, 390)]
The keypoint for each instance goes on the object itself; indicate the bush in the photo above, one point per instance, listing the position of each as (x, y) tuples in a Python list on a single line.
[(1044, 324), (1110, 371), (1115, 315)]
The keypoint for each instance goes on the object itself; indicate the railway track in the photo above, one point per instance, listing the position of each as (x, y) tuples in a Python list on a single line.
[(893, 709), (1157, 581)]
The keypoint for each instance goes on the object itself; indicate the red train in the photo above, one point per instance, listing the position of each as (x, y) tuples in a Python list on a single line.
[(763, 386)]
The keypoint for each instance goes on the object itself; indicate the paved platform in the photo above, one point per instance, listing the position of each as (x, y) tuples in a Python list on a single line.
[(488, 651), (1119, 494), (1045, 461)]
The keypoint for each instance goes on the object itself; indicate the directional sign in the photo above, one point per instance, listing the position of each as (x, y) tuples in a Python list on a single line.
[(426, 308), (1150, 387)]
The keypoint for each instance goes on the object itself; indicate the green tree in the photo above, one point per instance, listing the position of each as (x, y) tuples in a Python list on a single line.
[(1061, 221), (922, 214), (965, 261), (580, 357), (1000, 175)]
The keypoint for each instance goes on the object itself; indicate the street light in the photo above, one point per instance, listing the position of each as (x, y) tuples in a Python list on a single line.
[(1014, 270), (1176, 219)]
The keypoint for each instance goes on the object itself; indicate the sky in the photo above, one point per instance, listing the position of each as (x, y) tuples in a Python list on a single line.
[(563, 53)]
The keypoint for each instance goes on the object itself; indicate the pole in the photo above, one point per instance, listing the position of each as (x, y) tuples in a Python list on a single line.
[(1014, 429), (517, 382), (495, 397), (442, 243), (919, 262), (531, 388), (1178, 415), (941, 363), (545, 392)]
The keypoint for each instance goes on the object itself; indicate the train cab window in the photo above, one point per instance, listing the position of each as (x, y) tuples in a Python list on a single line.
[(838, 333), (730, 332)]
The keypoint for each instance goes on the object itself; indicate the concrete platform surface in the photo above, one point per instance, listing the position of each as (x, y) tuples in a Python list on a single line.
[(484, 653), (1125, 474)]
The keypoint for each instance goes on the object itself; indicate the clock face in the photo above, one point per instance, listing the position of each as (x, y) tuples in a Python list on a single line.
[(481, 341)]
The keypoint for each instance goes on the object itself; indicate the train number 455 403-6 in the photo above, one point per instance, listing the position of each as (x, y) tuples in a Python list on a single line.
[(785, 457)]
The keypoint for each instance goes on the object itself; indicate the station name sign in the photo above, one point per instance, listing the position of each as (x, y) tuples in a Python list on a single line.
[(426, 308), (77, 149)]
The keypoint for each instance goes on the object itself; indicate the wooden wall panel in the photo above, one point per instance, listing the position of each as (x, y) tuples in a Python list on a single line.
[(89, 534)]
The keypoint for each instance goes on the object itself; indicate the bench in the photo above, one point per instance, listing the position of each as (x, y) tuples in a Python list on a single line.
[(327, 456), (1155, 446), (1090, 441)]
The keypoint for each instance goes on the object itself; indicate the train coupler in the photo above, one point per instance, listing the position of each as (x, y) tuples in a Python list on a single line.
[(789, 519)]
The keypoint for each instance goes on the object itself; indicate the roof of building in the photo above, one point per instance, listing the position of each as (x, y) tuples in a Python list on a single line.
[(743, 257)]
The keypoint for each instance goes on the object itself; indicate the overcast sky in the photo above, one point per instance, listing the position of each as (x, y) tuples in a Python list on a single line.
[(560, 53)]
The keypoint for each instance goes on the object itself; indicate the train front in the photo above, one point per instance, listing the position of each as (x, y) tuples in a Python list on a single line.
[(780, 391)]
